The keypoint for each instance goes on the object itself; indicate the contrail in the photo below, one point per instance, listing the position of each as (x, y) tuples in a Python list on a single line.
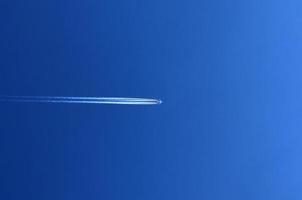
[(81, 100)]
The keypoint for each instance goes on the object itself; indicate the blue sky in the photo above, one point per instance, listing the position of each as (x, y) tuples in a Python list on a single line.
[(229, 73)]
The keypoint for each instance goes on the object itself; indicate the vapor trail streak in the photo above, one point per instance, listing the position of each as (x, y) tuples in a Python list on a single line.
[(81, 100)]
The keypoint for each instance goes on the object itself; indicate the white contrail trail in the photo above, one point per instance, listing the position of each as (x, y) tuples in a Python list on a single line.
[(81, 100)]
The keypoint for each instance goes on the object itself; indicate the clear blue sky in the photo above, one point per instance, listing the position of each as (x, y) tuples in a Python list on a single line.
[(229, 73)]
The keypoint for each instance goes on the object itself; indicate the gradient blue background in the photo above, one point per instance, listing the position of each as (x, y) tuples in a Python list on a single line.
[(229, 73)]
